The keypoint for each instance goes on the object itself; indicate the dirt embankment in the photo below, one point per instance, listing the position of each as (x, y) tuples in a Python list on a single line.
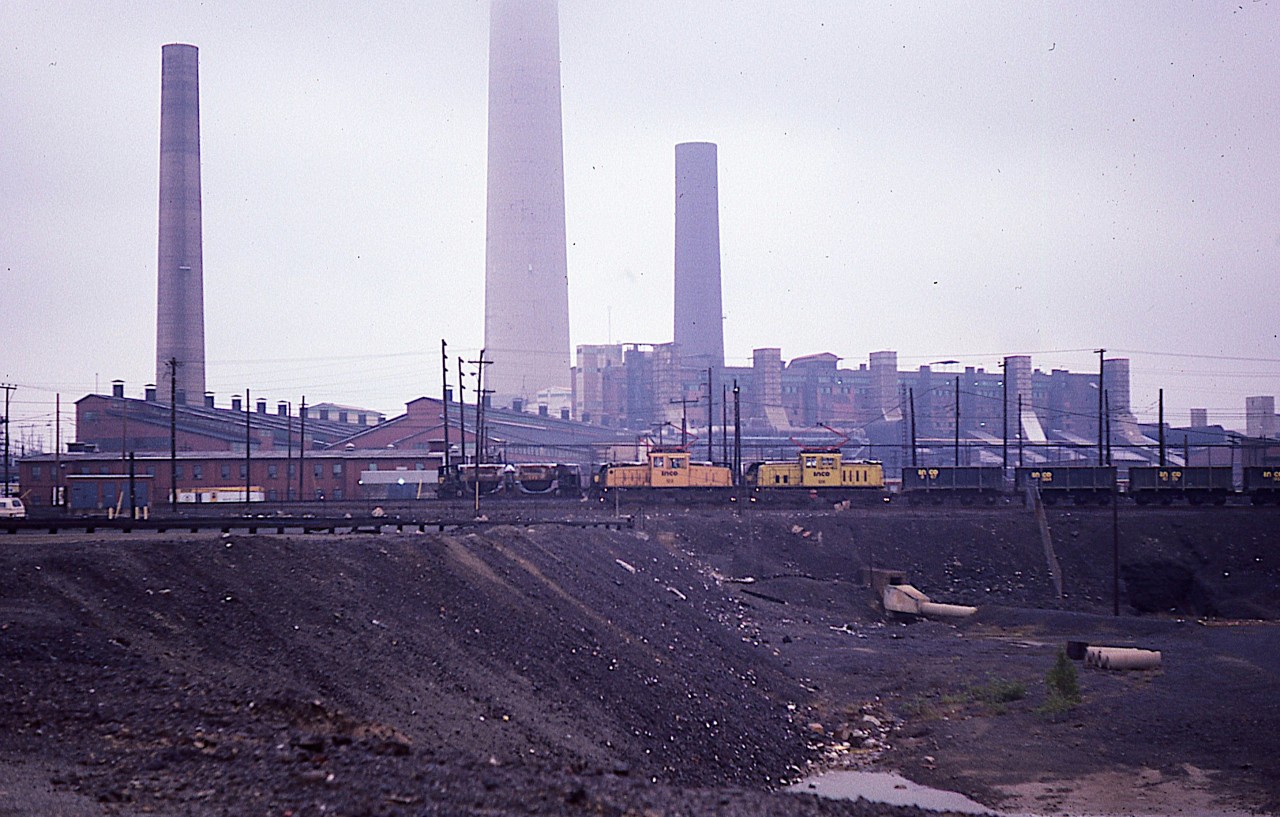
[(1208, 720), (523, 671)]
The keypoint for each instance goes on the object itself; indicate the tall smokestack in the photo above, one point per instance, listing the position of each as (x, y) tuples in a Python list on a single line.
[(526, 295), (180, 290), (699, 330)]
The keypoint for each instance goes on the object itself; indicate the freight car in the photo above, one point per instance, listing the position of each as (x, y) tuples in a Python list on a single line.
[(1081, 484), (1196, 484), (1262, 485), (511, 479), (819, 470), (668, 471), (966, 483)]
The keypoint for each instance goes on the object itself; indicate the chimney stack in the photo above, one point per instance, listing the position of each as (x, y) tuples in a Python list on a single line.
[(526, 289), (180, 273), (699, 325)]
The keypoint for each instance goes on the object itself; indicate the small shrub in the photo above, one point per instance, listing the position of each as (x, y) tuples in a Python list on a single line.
[(999, 691), (1062, 686)]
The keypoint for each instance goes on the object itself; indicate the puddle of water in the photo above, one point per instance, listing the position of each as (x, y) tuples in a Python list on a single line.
[(888, 788)]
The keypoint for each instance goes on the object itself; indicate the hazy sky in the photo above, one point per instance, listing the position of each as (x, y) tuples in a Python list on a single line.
[(953, 181)]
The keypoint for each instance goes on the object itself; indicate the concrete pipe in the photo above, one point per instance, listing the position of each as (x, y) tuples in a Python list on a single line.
[(903, 598), (937, 610), (1122, 658)]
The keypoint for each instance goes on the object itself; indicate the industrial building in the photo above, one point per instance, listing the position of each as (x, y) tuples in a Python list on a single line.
[(97, 481), (281, 456)]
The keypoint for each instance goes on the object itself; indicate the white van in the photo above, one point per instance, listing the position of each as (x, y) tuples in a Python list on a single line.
[(11, 506)]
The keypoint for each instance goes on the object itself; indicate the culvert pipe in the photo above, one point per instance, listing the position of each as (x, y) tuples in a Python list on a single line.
[(933, 609), (903, 598), (1121, 658)]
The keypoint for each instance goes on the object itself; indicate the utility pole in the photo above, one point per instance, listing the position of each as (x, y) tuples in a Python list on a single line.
[(133, 488), (480, 431), (957, 438), (1115, 548), (737, 434), (684, 418), (911, 402), (1101, 385), (124, 422), (248, 444), (724, 422), (288, 456), (57, 449), (173, 365), (462, 417), (711, 405), (444, 395), (1107, 393), (1019, 429), (480, 441), (8, 390), (302, 442), (1004, 437), (1163, 460)]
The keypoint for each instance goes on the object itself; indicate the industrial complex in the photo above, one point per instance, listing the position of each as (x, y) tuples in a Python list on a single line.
[(529, 402)]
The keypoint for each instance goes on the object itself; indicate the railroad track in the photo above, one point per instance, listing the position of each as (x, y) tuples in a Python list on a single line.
[(296, 524)]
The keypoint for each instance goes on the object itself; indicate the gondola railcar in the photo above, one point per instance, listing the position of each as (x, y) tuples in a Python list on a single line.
[(1081, 484), (1262, 484), (510, 479), (965, 483), (1196, 484)]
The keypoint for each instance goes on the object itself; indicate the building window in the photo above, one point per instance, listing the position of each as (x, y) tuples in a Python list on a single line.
[(317, 470), (35, 472), (293, 469), (197, 471), (373, 466), (177, 471), (226, 471), (362, 419), (337, 469), (337, 493), (342, 418), (273, 471), (419, 467), (151, 470), (244, 470)]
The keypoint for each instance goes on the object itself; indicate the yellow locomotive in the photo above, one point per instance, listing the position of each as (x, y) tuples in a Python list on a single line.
[(666, 469), (817, 469)]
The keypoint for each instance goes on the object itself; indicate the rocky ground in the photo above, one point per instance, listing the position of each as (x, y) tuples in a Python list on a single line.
[(693, 665)]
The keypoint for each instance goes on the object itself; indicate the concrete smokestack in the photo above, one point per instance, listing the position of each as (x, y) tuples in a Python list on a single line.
[(526, 303), (699, 329), (180, 290)]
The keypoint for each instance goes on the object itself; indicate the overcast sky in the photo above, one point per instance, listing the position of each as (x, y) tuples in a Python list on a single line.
[(952, 181)]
